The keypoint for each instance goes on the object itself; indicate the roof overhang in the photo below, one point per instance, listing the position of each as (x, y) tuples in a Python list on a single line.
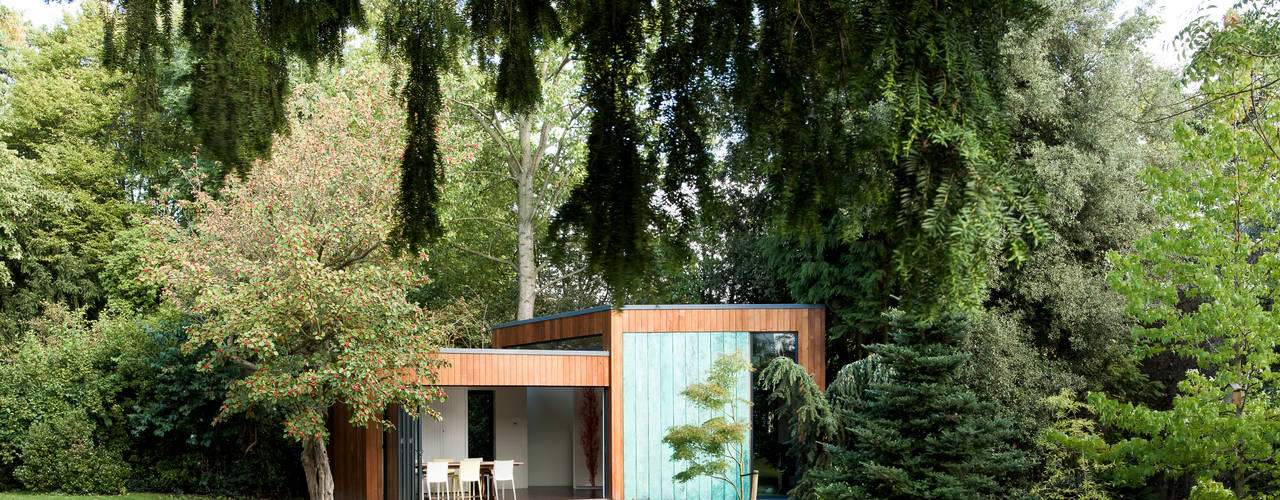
[(523, 368)]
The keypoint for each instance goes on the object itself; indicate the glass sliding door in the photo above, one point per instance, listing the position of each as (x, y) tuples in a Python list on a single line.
[(409, 435)]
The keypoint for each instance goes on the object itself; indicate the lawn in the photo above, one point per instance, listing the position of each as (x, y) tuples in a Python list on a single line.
[(50, 496)]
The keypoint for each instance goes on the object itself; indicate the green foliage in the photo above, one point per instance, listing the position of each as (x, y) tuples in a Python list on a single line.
[(294, 276), (522, 29), (425, 34), (169, 408), (1068, 473), (924, 433), (691, 38), (805, 416), (1202, 286), (853, 279), (22, 197), (121, 275), (238, 75), (910, 145), (1088, 105), (508, 173), (48, 374), (61, 109), (612, 207), (59, 454), (1202, 289), (898, 132), (716, 448)]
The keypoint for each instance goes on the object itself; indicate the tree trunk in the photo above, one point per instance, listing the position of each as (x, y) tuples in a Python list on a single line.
[(315, 463), (526, 268)]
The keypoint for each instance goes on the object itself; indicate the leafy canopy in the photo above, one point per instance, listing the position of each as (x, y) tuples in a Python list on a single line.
[(67, 189), (293, 272), (1203, 287), (885, 114)]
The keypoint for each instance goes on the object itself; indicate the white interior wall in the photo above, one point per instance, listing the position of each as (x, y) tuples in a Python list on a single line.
[(446, 438), (550, 411), (536, 419), (511, 429)]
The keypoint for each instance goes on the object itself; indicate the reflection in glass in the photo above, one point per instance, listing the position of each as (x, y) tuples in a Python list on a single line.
[(480, 424), (585, 343), (768, 452)]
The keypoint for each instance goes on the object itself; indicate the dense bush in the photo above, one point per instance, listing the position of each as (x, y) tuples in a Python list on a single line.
[(169, 410), (59, 454), (100, 407), (53, 371)]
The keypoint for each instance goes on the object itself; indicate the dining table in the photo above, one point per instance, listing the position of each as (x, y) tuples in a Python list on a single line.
[(484, 464)]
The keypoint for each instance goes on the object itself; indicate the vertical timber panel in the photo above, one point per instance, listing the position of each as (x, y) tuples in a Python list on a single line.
[(613, 343), (355, 456)]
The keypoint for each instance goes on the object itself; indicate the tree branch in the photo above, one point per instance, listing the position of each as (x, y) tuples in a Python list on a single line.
[(1211, 100), (487, 219), (356, 257), (485, 255), (564, 62), (491, 126)]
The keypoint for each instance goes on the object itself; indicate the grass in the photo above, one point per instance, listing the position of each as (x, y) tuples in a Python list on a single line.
[(52, 496)]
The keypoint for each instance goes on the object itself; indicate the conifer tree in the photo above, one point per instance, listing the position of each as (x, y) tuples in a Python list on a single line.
[(924, 434)]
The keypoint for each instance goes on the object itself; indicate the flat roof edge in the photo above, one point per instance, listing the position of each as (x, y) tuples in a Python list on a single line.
[(553, 316), (722, 306), (654, 306), (536, 352)]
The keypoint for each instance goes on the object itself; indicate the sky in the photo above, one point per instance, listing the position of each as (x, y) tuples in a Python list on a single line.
[(1175, 15)]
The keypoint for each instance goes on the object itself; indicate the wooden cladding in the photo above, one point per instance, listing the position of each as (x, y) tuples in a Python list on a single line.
[(595, 322), (808, 322), (513, 368), (354, 457)]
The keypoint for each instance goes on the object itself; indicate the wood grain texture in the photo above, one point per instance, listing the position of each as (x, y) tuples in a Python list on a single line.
[(809, 324), (581, 325), (523, 370), (355, 457), (614, 463)]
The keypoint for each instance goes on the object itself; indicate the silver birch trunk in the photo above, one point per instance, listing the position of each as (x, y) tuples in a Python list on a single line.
[(526, 268)]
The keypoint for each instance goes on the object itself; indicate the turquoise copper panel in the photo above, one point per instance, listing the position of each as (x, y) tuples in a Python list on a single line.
[(655, 368)]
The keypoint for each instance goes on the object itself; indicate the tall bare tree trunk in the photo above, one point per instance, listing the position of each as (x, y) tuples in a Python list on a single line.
[(315, 463), (526, 268)]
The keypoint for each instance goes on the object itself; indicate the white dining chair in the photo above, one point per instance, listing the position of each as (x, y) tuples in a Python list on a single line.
[(504, 470), (438, 475), (469, 477)]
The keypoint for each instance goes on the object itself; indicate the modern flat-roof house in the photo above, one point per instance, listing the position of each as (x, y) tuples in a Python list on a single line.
[(581, 400)]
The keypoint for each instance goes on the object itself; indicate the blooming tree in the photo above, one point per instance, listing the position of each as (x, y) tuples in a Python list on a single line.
[(291, 272)]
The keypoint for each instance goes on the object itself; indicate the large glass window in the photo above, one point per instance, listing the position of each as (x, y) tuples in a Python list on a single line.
[(768, 452), (584, 343), (480, 424)]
